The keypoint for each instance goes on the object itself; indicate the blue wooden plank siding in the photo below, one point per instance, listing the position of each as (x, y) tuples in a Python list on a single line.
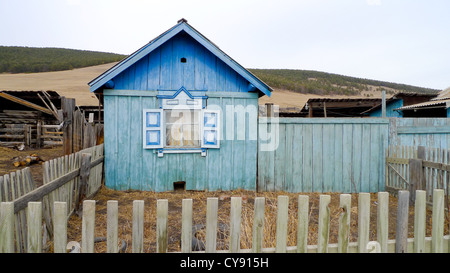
[(429, 132), (390, 112), (128, 166), (325, 155), (162, 70)]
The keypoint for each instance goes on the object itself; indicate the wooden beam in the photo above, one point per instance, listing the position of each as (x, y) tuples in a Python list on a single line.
[(26, 103)]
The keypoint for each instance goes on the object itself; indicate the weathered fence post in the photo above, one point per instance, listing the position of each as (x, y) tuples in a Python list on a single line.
[(6, 227), (235, 224), (138, 225), (34, 225), (60, 227), (419, 221), (282, 221), (186, 226), (112, 226), (401, 237), (303, 222), (324, 224), (415, 177), (211, 224), (85, 170), (437, 230), (383, 221), (162, 213), (67, 107), (258, 225), (363, 221), (344, 222), (88, 226)]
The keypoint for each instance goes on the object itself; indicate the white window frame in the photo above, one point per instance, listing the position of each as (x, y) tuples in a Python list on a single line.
[(161, 147)]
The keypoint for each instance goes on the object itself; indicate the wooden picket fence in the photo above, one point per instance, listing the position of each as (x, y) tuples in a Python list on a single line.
[(71, 179), (437, 243)]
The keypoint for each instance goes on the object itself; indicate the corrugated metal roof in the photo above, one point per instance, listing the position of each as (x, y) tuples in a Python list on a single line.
[(443, 102)]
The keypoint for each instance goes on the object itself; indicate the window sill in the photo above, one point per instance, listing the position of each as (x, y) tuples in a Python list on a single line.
[(163, 151)]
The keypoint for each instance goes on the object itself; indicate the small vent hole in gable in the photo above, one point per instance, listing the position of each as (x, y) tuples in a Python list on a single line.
[(183, 60)]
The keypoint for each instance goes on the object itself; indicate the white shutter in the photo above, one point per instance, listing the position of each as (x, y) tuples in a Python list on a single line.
[(210, 129), (153, 136)]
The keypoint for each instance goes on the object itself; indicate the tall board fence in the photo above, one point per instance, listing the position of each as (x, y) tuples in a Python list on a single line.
[(437, 243), (70, 179), (427, 132), (323, 154)]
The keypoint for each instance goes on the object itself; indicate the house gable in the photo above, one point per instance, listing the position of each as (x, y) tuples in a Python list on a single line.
[(180, 57)]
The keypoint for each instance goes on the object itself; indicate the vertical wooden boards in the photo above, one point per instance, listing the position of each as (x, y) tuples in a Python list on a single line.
[(383, 220), (186, 226), (235, 224), (112, 226), (34, 227), (437, 232), (363, 221), (162, 212), (324, 155), (60, 227), (419, 221), (138, 226), (307, 177), (324, 224), (88, 226), (212, 204), (303, 223), (258, 225), (429, 132), (344, 223), (282, 224), (401, 235), (6, 227)]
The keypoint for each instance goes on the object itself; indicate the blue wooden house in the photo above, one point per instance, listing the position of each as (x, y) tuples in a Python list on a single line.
[(180, 111)]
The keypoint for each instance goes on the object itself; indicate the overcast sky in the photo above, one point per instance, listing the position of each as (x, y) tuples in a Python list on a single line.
[(402, 41)]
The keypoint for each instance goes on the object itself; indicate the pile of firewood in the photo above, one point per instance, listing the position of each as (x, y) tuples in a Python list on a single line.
[(27, 160)]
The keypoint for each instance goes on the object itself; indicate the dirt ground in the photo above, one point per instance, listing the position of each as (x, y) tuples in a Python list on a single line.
[(126, 199), (7, 155)]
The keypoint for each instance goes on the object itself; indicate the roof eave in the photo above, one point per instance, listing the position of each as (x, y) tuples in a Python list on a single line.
[(98, 82)]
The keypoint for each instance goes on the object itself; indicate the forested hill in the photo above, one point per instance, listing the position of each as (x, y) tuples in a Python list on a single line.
[(31, 59), (321, 83), (15, 59)]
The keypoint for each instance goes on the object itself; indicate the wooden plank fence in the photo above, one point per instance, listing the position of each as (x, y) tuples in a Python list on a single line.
[(70, 179), (437, 243), (39, 135), (322, 154), (411, 168), (78, 134)]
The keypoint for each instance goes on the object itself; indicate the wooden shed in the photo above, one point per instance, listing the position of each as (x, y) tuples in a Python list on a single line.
[(180, 112)]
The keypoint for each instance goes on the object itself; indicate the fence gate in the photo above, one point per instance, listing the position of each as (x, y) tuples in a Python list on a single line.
[(397, 167)]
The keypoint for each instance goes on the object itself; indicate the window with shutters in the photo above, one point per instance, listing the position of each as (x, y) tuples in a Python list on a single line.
[(179, 129)]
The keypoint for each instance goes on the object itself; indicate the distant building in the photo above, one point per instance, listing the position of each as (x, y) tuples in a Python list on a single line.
[(435, 107), (395, 103)]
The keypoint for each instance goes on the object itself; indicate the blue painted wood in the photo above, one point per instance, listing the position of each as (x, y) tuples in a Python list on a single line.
[(429, 132), (190, 39), (128, 166), (325, 156), (390, 112)]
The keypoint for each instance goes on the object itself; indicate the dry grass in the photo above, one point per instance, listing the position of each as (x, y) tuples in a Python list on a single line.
[(126, 199)]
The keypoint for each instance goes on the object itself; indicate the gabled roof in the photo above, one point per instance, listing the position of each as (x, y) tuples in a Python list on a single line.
[(182, 25)]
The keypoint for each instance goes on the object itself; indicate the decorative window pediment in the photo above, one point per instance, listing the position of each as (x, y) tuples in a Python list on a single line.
[(181, 99)]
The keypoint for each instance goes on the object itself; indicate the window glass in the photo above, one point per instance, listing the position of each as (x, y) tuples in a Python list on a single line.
[(182, 128)]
